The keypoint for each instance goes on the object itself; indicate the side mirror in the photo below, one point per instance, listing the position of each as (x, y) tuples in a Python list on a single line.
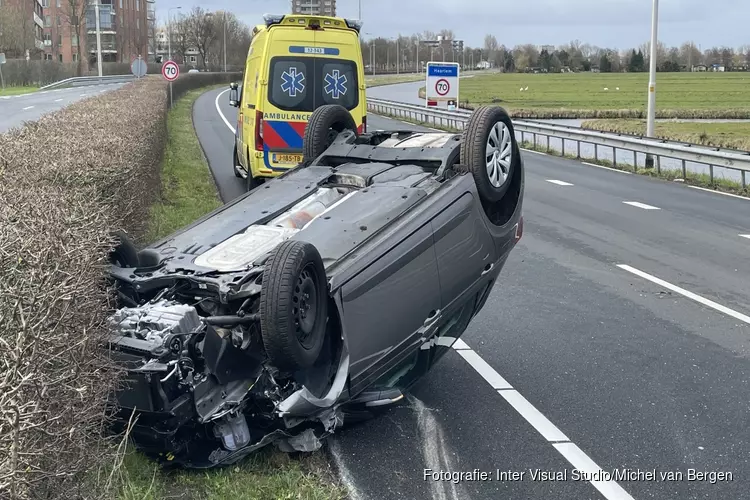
[(234, 97)]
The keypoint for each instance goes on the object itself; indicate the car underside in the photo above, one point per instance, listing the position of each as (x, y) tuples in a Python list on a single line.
[(318, 297)]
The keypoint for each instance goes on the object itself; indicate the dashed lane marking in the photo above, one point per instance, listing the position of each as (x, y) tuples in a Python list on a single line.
[(572, 453)]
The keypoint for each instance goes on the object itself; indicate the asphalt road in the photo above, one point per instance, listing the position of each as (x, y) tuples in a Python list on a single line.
[(617, 339), (17, 109)]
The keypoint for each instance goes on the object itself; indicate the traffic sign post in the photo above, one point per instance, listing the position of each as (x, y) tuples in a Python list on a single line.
[(170, 71), (442, 84), (2, 61), (139, 68)]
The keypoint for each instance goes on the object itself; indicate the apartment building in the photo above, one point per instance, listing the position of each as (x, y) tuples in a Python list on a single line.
[(314, 7), (123, 25), (30, 28)]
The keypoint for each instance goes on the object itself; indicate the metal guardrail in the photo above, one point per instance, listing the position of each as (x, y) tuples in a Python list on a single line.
[(738, 161), (78, 81)]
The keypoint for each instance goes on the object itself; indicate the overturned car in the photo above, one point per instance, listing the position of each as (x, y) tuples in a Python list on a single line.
[(320, 296)]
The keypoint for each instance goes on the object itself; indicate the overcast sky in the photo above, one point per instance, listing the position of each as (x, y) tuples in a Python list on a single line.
[(607, 23)]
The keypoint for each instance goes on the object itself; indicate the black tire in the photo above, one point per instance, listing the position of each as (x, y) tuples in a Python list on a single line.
[(292, 336), (474, 141), (324, 125), (236, 161), (125, 253)]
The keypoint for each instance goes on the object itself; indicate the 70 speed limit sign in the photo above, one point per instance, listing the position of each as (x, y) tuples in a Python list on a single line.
[(170, 70), (442, 83)]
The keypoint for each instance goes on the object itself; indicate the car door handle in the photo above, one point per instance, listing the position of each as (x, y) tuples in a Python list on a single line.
[(489, 267), (432, 318)]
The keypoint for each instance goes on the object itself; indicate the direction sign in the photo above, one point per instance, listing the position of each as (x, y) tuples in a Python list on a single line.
[(139, 68), (170, 71), (442, 83)]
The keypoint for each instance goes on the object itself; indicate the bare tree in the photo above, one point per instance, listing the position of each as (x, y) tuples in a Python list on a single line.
[(16, 31), (75, 16), (201, 32)]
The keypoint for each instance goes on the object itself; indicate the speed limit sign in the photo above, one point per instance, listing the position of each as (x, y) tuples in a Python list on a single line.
[(442, 87), (170, 71)]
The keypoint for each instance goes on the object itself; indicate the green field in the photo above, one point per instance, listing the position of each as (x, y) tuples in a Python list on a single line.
[(582, 95), (728, 135)]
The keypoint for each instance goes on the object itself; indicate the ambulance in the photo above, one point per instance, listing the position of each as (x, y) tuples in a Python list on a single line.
[(295, 64)]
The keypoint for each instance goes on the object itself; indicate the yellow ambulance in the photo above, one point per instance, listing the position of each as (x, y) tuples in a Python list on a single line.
[(295, 64)]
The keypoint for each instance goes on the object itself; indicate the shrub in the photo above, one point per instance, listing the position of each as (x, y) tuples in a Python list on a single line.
[(66, 183)]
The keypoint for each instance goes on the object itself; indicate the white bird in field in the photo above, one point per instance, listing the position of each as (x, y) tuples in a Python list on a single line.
[(527, 88), (618, 88), (521, 89), (605, 88)]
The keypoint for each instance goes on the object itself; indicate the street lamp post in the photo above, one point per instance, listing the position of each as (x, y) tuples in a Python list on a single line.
[(98, 40), (169, 30), (225, 41), (652, 80)]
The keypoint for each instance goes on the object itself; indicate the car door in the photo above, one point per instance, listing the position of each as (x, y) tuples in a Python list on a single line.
[(389, 306), (465, 251)]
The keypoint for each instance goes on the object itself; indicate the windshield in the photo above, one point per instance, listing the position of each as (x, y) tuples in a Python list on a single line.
[(306, 83)]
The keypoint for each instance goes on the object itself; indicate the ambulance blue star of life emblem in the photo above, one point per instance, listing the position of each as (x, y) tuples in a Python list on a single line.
[(335, 84), (292, 82)]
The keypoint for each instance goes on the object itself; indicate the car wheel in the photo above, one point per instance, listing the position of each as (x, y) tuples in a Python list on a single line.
[(125, 253), (490, 151), (236, 161), (293, 305), (324, 125)]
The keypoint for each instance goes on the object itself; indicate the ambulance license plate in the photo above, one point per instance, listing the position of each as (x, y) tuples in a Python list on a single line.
[(286, 158)]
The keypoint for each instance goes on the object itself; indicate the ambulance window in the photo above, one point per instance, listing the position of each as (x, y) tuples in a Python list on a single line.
[(289, 84), (339, 83)]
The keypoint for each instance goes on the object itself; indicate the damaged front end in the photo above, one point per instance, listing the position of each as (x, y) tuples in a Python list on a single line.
[(203, 393), (201, 388)]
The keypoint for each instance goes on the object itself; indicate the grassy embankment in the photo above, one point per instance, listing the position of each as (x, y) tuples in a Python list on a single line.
[(17, 90), (188, 192)]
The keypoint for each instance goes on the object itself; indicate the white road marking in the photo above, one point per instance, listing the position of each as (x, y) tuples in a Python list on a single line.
[(58, 100), (234, 131), (599, 479), (44, 91), (641, 205), (721, 192), (485, 370), (103, 90), (83, 94), (610, 489), (607, 168), (543, 426), (532, 151), (741, 236), (559, 183), (702, 300), (27, 107)]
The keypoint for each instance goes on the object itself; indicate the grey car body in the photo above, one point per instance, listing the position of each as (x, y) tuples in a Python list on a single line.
[(410, 250)]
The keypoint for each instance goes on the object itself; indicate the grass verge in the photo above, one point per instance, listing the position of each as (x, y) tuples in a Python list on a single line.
[(725, 135), (17, 90), (690, 178), (189, 192), (611, 95)]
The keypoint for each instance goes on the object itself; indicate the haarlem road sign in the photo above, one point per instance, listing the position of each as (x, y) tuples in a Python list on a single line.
[(442, 83), (170, 71)]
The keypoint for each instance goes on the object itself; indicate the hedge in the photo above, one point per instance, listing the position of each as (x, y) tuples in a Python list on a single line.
[(67, 182)]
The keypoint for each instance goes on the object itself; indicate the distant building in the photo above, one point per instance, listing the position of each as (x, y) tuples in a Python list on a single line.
[(31, 13), (699, 67), (162, 48), (314, 7)]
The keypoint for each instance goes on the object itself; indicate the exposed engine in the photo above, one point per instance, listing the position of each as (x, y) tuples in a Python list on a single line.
[(196, 354)]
